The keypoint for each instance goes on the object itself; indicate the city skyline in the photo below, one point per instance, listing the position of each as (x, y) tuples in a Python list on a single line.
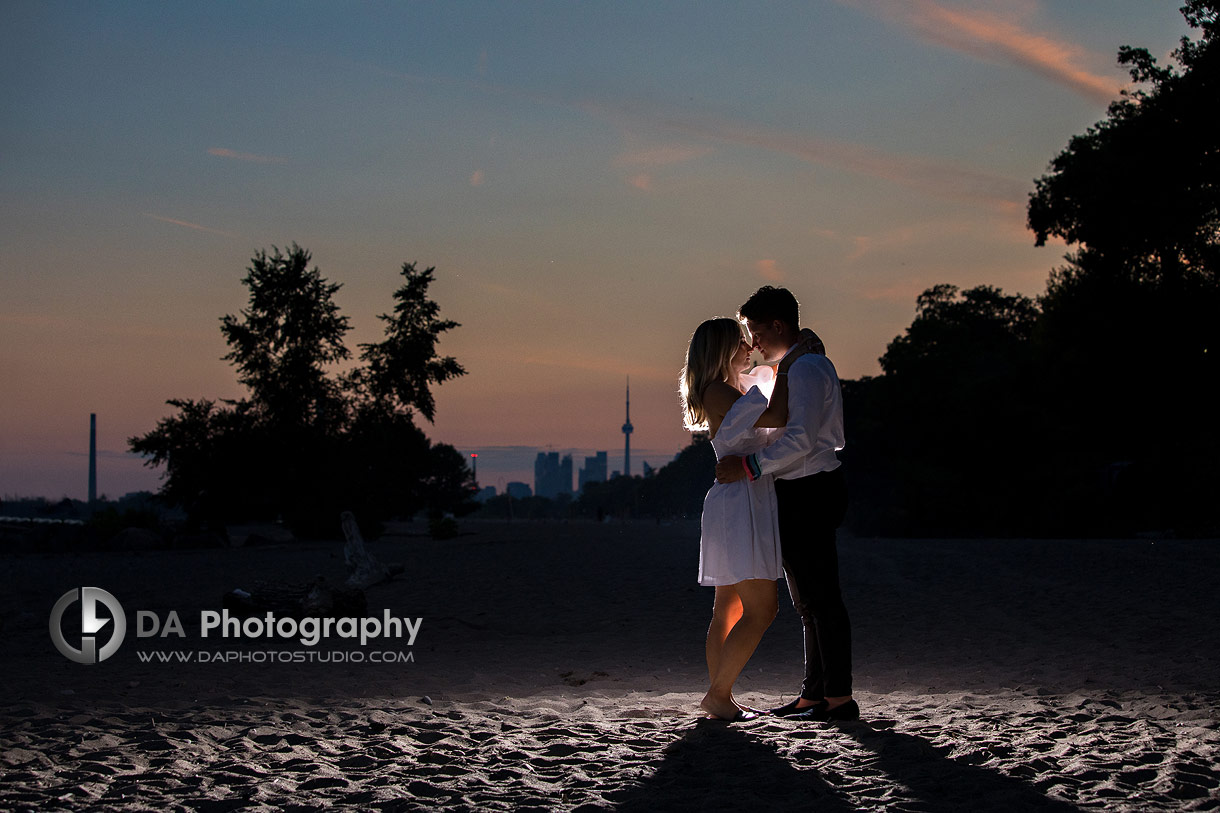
[(589, 181)]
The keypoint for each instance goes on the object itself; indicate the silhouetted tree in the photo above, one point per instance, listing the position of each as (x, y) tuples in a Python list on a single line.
[(306, 444), (1127, 337), (936, 444), (286, 338), (1091, 411), (400, 369), (1142, 187)]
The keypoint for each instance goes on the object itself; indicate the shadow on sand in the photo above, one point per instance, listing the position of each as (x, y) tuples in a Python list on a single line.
[(716, 766), (721, 767), (937, 782)]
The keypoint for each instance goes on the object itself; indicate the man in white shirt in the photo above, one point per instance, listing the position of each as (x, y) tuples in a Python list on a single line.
[(812, 500)]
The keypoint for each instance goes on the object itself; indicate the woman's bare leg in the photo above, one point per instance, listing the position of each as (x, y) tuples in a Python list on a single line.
[(759, 606), (725, 613)]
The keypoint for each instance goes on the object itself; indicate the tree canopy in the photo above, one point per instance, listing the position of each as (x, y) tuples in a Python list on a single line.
[(400, 369), (1143, 186), (283, 342)]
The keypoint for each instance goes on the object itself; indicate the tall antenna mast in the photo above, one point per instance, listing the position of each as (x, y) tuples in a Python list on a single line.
[(627, 430)]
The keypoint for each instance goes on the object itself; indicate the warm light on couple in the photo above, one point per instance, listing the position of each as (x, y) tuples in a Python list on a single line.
[(778, 498)]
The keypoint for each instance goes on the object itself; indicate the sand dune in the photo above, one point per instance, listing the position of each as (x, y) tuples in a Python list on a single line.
[(558, 666)]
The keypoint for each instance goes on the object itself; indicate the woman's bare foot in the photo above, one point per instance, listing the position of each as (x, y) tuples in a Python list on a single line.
[(719, 708)]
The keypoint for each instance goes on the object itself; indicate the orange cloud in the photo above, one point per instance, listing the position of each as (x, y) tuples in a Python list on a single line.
[(222, 152), (992, 38), (768, 271), (643, 181), (477, 178)]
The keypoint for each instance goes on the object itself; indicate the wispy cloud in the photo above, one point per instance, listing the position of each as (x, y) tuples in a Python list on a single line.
[(662, 156), (642, 181), (582, 359), (890, 239), (995, 39), (188, 225), (77, 325), (477, 178), (223, 152), (905, 291), (935, 176), (109, 454)]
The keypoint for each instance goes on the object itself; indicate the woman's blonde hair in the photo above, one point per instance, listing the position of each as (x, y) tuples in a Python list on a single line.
[(708, 359)]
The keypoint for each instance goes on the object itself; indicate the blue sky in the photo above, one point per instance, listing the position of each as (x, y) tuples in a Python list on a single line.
[(590, 180)]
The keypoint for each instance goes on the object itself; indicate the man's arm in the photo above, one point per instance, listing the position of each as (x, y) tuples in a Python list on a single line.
[(808, 385)]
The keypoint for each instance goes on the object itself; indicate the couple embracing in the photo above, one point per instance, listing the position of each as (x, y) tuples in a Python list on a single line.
[(778, 498)]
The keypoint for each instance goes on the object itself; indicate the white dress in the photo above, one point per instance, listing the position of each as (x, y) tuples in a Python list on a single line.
[(740, 538)]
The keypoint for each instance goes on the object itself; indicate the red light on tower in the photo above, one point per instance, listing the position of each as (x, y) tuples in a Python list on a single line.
[(474, 468)]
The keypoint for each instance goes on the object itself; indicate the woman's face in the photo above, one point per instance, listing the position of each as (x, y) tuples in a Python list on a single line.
[(741, 359)]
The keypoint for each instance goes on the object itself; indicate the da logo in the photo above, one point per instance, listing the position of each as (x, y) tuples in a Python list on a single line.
[(90, 624)]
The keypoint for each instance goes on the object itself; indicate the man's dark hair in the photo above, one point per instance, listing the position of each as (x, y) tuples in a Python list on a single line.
[(770, 303)]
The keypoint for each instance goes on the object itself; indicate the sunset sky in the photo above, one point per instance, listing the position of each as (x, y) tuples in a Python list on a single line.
[(590, 180)]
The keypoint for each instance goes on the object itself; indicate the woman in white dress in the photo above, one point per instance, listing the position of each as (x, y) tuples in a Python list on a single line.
[(739, 550)]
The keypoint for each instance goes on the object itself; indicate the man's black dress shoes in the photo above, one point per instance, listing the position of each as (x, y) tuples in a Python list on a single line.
[(822, 713), (789, 709)]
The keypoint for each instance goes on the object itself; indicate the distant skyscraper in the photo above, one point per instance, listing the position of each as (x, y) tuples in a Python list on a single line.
[(594, 470), (564, 486), (552, 476), (627, 430)]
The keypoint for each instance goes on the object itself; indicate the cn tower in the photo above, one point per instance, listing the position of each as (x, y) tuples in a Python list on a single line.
[(627, 430)]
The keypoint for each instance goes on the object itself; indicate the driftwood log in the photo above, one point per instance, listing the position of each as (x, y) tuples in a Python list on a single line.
[(363, 569)]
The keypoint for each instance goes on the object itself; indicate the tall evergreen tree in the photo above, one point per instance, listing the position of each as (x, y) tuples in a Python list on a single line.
[(400, 370)]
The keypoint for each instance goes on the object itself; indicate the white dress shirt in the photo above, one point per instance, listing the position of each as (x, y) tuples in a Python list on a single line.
[(814, 433)]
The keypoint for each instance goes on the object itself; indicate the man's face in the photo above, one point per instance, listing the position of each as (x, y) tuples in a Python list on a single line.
[(767, 339)]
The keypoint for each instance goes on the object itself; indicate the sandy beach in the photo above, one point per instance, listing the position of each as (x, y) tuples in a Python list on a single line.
[(558, 666)]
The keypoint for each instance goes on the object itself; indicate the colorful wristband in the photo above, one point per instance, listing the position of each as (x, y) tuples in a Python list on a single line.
[(750, 464)]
